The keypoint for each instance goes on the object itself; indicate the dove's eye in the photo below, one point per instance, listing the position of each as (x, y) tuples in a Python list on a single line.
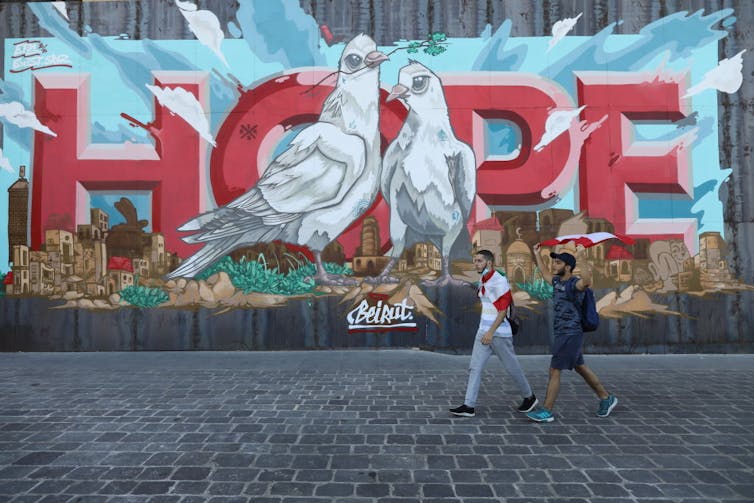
[(420, 84), (353, 61)]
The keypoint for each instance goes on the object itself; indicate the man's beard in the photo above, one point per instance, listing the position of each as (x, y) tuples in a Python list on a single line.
[(560, 273)]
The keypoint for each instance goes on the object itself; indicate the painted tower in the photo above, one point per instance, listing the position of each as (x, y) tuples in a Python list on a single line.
[(18, 212)]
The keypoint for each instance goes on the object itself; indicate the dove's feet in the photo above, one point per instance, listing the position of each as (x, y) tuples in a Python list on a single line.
[(381, 279), (326, 278), (445, 280)]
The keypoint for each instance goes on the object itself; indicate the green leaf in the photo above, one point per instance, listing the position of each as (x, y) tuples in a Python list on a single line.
[(434, 50), (256, 277), (537, 287), (143, 296)]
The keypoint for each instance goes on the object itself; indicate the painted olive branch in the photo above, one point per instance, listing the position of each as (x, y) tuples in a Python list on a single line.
[(434, 45)]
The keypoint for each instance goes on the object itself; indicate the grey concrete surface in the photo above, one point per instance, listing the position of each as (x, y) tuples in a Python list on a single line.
[(369, 425)]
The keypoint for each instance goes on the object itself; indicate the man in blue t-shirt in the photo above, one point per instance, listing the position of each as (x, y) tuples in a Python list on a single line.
[(567, 296)]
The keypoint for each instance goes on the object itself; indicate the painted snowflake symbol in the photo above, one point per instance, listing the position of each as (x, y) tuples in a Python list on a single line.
[(248, 132)]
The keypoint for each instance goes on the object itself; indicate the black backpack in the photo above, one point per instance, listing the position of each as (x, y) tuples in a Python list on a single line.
[(512, 318), (590, 318)]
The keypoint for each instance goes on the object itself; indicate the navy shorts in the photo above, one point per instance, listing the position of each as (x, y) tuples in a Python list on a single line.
[(567, 352)]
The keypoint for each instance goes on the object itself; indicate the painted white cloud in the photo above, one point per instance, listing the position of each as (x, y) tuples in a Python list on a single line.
[(205, 25), (60, 6), (186, 106), (15, 113), (727, 77), (558, 122), (5, 163), (560, 29)]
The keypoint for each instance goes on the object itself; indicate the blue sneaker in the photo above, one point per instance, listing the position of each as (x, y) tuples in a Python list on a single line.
[(541, 415), (607, 405)]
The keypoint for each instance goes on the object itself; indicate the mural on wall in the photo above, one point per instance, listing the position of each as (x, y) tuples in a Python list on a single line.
[(238, 172)]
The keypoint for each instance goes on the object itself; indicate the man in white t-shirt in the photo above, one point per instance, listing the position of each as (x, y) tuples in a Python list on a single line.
[(493, 336)]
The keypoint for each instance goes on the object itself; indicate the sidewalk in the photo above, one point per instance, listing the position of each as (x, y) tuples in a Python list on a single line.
[(368, 425)]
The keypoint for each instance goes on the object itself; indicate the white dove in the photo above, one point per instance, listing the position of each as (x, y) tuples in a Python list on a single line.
[(428, 175), (309, 194)]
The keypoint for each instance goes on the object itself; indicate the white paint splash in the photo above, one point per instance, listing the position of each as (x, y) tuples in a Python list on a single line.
[(186, 106), (5, 163), (15, 113), (205, 25), (727, 77), (558, 122), (560, 29), (60, 6)]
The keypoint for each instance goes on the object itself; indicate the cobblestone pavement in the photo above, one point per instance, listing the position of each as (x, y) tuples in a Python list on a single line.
[(367, 426)]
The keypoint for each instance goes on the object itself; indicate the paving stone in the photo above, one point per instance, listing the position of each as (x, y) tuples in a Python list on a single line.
[(473, 490), (314, 475), (438, 491), (334, 490), (38, 458), (191, 473), (607, 490), (153, 487), (50, 487)]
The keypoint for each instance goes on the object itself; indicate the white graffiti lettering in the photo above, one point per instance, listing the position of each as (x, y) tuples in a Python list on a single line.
[(382, 314)]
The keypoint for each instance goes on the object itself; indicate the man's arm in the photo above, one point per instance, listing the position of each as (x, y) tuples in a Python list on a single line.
[(487, 338), (546, 274), (585, 279)]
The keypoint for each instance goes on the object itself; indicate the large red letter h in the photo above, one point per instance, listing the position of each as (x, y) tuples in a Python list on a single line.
[(67, 166)]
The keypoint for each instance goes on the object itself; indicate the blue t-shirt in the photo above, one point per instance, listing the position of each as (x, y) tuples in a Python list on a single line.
[(567, 318)]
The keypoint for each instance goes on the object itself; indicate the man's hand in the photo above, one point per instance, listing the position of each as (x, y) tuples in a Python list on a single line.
[(486, 338), (546, 275), (580, 255)]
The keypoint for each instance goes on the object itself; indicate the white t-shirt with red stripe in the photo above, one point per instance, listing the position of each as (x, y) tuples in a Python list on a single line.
[(496, 296)]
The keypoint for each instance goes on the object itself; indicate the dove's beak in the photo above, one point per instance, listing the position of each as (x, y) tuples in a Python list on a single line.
[(375, 58), (398, 91)]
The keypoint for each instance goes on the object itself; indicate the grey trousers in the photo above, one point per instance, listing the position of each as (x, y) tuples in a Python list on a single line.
[(503, 348)]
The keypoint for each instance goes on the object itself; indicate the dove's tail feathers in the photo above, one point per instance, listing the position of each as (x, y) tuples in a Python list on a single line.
[(202, 259), (200, 222)]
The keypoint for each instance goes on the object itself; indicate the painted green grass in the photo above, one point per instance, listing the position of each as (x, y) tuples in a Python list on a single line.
[(255, 276), (143, 296), (537, 287)]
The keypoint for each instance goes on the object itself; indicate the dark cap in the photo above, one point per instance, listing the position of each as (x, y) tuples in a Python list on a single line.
[(565, 257)]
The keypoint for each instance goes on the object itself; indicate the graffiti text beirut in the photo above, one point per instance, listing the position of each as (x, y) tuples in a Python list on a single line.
[(381, 317)]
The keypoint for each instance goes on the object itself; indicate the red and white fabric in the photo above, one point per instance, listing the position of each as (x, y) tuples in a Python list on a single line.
[(587, 240), (496, 296)]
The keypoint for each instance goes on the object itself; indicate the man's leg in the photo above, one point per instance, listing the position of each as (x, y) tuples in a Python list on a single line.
[(479, 356), (503, 348), (544, 414), (592, 380), (607, 401), (553, 388)]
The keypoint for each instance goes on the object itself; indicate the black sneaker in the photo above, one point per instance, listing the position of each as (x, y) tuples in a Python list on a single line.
[(528, 404), (463, 411)]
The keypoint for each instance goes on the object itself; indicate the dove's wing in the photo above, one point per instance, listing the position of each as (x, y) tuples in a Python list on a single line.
[(317, 171), (462, 174), (394, 156)]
